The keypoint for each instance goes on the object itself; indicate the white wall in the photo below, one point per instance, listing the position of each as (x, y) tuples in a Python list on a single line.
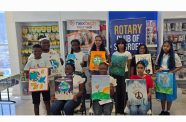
[(13, 17)]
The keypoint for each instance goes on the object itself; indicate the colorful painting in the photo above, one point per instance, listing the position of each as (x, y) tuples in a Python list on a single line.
[(118, 65), (146, 58), (137, 91), (96, 57), (64, 88), (38, 79), (100, 87), (71, 57), (164, 83), (56, 64)]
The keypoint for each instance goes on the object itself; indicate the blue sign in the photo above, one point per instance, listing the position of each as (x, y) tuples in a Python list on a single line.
[(132, 30)]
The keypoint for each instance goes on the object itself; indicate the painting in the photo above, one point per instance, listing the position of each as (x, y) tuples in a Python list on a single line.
[(137, 91), (100, 87), (118, 65), (64, 88), (71, 57), (96, 57), (38, 79), (146, 58), (164, 83)]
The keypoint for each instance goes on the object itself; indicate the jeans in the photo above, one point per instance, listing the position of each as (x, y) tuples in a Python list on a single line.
[(105, 109), (67, 106), (139, 109)]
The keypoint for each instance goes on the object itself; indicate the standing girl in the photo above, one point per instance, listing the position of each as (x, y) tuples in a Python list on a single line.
[(121, 95), (79, 55), (168, 61), (99, 46)]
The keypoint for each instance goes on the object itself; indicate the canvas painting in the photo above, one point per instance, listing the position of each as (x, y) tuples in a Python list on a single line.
[(38, 79), (118, 65), (64, 88), (56, 64), (137, 91), (71, 57), (100, 87), (164, 83), (146, 58), (96, 57)]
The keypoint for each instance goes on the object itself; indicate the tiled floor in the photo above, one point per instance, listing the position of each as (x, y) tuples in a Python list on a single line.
[(25, 107)]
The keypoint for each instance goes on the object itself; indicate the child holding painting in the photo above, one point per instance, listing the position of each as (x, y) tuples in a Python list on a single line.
[(39, 62), (104, 107), (168, 61)]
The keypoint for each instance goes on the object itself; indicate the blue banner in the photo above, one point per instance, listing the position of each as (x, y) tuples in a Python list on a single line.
[(132, 30)]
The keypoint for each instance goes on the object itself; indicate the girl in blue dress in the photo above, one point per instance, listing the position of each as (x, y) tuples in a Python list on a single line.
[(168, 61)]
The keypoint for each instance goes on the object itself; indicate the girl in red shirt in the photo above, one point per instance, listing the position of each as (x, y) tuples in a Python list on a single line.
[(142, 109)]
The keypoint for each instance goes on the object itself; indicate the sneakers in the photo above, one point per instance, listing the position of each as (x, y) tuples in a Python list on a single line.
[(167, 113), (164, 113)]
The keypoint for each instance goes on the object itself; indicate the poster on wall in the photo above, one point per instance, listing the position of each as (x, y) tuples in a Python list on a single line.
[(64, 88), (38, 79), (146, 58), (151, 32), (100, 87), (84, 30), (33, 31), (118, 65), (164, 83), (96, 57), (132, 30), (137, 91)]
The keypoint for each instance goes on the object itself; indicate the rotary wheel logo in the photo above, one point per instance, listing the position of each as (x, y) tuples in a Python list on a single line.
[(138, 95), (97, 60)]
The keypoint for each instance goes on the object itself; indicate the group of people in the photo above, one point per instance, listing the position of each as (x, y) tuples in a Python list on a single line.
[(43, 56)]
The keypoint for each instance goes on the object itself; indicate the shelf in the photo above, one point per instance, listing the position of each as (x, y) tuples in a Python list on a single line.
[(175, 32), (154, 45), (181, 79)]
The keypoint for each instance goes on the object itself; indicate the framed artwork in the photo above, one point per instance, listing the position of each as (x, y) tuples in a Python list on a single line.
[(137, 91), (100, 87), (146, 58), (96, 57), (164, 83), (64, 88), (38, 79)]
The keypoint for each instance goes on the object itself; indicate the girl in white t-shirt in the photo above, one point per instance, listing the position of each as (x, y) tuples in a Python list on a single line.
[(68, 106), (117, 70), (98, 45), (168, 61), (77, 55)]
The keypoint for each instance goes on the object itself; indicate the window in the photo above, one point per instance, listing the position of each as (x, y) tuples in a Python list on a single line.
[(4, 52)]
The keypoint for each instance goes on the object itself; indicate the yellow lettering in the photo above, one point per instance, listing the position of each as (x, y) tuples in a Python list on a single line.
[(139, 28), (116, 30), (125, 27), (135, 29), (121, 29), (129, 29)]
